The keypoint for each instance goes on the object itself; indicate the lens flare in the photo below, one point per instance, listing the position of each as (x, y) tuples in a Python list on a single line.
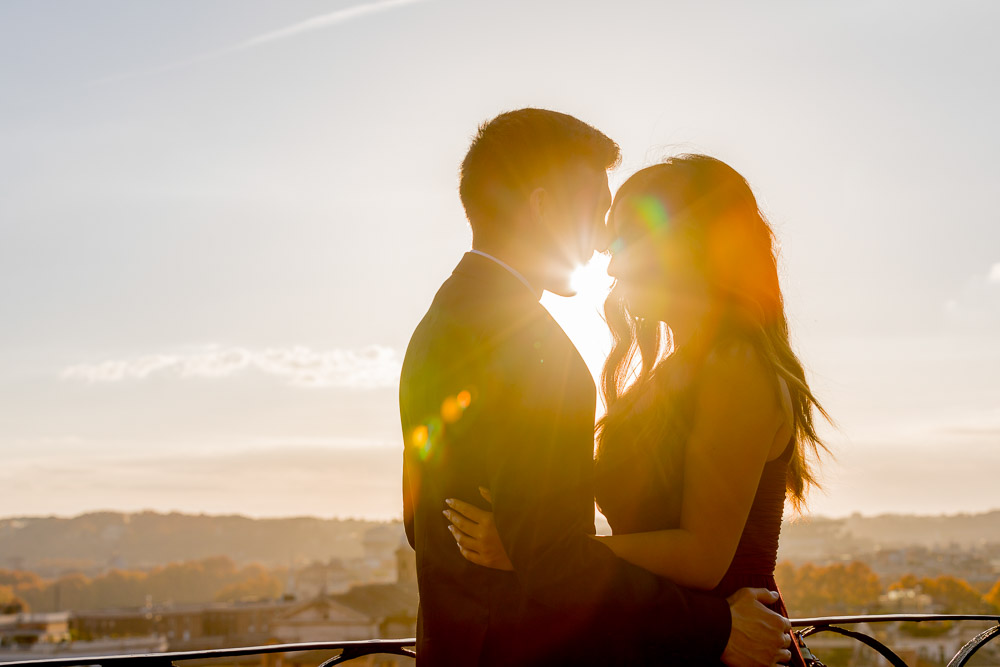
[(433, 429), (650, 210), (450, 410), (426, 438)]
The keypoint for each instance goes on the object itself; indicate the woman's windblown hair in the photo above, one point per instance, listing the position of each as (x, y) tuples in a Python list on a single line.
[(709, 208)]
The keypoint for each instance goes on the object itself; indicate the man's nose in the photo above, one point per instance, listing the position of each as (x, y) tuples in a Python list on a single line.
[(602, 237)]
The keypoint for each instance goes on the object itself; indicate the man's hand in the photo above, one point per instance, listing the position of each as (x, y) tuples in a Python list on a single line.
[(759, 636)]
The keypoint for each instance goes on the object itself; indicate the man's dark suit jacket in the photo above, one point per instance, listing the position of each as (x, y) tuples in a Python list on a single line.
[(526, 432)]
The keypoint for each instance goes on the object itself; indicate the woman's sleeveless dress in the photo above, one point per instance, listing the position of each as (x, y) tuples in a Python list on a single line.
[(650, 502)]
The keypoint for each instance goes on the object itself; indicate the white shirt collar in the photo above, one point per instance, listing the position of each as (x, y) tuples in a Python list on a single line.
[(512, 270)]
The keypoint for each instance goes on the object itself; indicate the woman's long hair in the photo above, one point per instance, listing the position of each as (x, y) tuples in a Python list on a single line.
[(709, 207)]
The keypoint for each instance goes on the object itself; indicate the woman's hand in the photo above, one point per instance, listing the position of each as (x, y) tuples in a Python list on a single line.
[(476, 534)]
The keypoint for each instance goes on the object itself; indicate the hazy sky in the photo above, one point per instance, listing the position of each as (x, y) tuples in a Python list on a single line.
[(221, 220)]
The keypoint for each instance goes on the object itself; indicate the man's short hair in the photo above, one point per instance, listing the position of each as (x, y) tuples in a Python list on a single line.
[(520, 150)]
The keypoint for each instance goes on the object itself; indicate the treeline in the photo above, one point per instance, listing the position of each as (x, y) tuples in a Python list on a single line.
[(853, 588), (213, 579), (139, 540), (809, 590)]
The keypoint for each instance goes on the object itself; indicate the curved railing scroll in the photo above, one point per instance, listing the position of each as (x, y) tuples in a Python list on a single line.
[(812, 626)]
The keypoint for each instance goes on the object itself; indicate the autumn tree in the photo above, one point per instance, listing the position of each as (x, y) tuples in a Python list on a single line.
[(10, 603), (850, 588), (954, 595), (18, 578), (198, 581), (907, 581), (993, 597), (950, 594), (256, 582)]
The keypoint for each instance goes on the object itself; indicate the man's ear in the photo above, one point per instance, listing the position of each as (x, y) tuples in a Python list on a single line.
[(538, 202)]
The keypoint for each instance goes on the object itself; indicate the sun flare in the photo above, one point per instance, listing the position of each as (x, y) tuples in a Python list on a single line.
[(581, 316), (591, 281)]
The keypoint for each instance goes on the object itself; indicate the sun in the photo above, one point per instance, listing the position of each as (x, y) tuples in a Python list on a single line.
[(581, 316), (591, 281)]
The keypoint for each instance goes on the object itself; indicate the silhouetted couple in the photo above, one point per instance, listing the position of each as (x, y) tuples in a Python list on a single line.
[(709, 417)]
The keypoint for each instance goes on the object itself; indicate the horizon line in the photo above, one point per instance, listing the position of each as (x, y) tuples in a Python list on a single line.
[(398, 519)]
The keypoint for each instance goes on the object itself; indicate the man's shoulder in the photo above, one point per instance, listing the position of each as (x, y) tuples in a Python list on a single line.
[(463, 307), (466, 329), (452, 317)]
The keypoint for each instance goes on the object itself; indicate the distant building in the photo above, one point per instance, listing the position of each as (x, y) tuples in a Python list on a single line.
[(50, 635), (24, 630), (373, 611), (185, 627), (323, 619), (316, 578), (380, 544), (381, 563), (66, 649), (406, 564), (907, 600), (98, 624)]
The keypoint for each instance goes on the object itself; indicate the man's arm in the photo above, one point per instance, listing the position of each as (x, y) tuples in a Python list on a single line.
[(408, 503), (758, 636)]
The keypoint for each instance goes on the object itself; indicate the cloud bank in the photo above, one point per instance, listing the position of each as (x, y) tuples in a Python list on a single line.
[(371, 367)]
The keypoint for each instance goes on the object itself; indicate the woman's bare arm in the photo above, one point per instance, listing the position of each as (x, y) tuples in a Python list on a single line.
[(738, 417)]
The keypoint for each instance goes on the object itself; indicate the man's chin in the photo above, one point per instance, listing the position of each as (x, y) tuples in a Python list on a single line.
[(562, 290)]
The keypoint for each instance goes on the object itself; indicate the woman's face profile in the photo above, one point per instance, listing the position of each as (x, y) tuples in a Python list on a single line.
[(653, 265)]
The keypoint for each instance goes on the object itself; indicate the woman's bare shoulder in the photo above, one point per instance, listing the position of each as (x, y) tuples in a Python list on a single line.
[(736, 373)]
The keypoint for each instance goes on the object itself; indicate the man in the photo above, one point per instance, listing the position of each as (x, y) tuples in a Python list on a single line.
[(493, 394)]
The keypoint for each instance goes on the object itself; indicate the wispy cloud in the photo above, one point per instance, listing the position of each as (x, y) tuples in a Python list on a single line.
[(995, 273), (370, 367), (322, 21), (977, 306), (328, 20)]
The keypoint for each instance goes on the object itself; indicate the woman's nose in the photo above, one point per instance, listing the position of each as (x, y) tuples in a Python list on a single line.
[(613, 266)]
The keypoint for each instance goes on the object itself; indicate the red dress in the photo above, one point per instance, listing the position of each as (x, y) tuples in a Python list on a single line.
[(639, 489)]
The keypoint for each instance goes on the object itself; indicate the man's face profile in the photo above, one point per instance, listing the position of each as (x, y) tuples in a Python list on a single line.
[(572, 221)]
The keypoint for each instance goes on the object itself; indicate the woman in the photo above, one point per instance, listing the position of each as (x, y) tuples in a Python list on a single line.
[(709, 424)]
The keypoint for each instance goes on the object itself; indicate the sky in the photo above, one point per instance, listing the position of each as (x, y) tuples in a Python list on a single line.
[(221, 220)]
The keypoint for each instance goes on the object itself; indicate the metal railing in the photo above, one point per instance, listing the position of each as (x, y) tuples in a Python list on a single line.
[(812, 626), (805, 627), (348, 651)]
